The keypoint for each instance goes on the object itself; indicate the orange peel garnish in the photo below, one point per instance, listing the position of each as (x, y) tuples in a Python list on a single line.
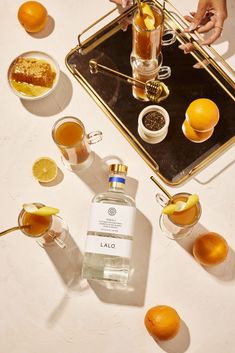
[(180, 206)]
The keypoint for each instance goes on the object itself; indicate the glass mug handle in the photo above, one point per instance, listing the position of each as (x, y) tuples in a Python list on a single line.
[(94, 137), (58, 241), (164, 72), (161, 200), (172, 37)]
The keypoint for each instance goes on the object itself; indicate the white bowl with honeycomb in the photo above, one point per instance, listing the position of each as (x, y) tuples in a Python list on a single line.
[(33, 75)]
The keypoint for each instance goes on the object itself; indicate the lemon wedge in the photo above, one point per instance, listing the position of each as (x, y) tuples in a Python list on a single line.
[(170, 209), (192, 200), (42, 211), (149, 23), (44, 170), (180, 205), (146, 10), (149, 19)]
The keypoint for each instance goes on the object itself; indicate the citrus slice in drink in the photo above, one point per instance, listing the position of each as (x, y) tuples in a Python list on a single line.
[(192, 200), (169, 209), (180, 206), (41, 211), (149, 22), (45, 169), (149, 19)]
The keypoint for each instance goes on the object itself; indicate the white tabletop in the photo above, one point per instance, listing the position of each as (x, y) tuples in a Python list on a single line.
[(43, 306)]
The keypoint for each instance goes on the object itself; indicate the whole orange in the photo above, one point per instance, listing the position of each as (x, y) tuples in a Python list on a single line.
[(33, 16), (202, 114), (210, 249), (194, 135), (162, 322)]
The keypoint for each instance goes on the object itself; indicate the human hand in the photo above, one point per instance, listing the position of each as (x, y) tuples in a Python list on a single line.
[(123, 3), (210, 16)]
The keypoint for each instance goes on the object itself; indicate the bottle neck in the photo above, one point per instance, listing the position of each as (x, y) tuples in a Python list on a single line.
[(117, 182)]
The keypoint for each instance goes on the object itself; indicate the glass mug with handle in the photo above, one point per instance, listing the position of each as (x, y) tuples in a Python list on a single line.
[(47, 230), (179, 224), (147, 42), (144, 72), (74, 143)]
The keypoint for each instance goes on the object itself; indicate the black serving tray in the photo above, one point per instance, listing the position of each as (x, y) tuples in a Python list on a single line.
[(174, 159)]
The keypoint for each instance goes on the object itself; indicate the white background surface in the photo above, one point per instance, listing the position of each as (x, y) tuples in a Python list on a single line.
[(43, 306)]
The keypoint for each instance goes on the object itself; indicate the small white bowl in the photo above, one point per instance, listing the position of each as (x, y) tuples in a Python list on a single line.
[(37, 55), (153, 136)]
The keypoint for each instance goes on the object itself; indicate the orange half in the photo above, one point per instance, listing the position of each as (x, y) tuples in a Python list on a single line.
[(195, 136)]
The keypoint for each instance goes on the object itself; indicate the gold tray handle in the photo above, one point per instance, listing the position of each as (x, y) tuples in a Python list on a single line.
[(105, 32)]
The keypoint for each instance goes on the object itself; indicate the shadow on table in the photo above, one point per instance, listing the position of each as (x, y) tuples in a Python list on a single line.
[(180, 343), (59, 178), (229, 165), (224, 271), (68, 263), (55, 102), (96, 176), (47, 30), (134, 293)]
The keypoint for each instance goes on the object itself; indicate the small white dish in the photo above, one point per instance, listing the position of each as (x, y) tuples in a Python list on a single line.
[(153, 136), (40, 56)]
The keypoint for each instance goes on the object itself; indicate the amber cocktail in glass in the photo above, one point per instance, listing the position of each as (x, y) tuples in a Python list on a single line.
[(143, 71), (48, 230), (146, 40), (179, 224), (148, 33), (69, 135)]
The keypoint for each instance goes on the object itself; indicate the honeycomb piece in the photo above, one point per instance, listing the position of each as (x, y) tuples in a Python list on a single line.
[(33, 71)]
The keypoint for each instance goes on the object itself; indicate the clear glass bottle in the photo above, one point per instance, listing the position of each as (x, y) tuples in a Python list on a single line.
[(110, 231)]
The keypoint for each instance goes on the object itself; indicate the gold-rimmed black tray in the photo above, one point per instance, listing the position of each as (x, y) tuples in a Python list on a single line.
[(175, 159)]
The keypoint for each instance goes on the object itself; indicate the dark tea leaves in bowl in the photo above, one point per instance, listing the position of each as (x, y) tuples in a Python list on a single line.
[(154, 120)]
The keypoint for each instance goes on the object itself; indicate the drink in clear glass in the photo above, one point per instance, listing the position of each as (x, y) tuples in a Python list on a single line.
[(179, 224), (110, 231), (147, 41), (148, 71), (143, 74), (47, 230), (69, 135)]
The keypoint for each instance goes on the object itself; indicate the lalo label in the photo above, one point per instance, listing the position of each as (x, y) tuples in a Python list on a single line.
[(112, 219), (108, 246)]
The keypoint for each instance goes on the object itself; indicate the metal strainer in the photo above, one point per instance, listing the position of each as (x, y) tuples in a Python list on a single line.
[(155, 90)]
